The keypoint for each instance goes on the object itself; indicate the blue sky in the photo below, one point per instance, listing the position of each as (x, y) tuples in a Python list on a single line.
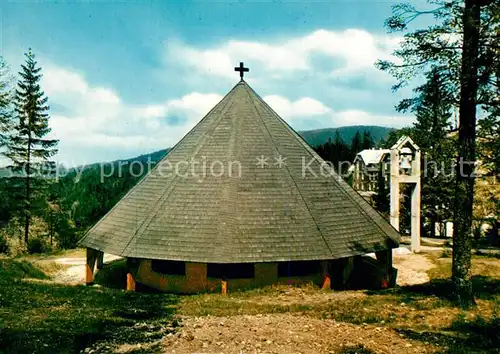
[(124, 78)]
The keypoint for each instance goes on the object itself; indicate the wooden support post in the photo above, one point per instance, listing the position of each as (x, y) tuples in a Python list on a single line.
[(130, 282), (100, 259), (385, 260), (90, 265), (325, 274), (223, 287), (347, 271)]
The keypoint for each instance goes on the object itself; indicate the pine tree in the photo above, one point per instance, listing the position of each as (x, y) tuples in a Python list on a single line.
[(5, 104), (367, 141), (5, 131), (382, 197), (432, 107), (336, 152), (356, 143), (29, 149), (464, 190), (463, 45)]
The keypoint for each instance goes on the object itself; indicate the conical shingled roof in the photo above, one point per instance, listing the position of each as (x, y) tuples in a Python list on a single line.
[(265, 213)]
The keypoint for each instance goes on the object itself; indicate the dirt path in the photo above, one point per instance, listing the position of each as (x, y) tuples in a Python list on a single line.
[(412, 268), (74, 272)]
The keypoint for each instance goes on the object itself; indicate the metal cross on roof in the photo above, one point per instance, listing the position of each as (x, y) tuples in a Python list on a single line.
[(241, 69)]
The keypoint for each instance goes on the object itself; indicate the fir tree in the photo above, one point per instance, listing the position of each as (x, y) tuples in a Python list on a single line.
[(5, 104), (432, 107), (367, 141), (29, 149), (5, 131), (356, 143), (382, 198), (336, 152), (463, 45)]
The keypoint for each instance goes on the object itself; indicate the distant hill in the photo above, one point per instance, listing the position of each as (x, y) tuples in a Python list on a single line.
[(152, 156), (313, 138), (320, 136), (86, 194)]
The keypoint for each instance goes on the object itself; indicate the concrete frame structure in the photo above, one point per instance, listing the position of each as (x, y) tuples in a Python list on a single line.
[(406, 146)]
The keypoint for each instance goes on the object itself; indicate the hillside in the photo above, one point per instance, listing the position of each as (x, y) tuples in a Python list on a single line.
[(313, 138), (153, 156), (321, 136)]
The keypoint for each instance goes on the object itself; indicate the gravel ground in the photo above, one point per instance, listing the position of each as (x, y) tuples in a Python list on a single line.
[(286, 333)]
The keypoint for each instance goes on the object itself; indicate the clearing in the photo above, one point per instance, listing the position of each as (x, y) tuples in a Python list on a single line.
[(42, 311)]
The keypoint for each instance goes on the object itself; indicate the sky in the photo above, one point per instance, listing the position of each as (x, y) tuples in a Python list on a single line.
[(125, 78)]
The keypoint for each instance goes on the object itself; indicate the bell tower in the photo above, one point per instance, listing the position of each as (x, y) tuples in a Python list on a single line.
[(405, 168)]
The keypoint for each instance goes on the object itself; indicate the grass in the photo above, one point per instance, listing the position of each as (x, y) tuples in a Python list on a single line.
[(424, 312), (37, 316)]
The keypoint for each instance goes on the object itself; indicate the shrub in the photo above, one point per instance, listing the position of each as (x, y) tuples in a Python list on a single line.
[(4, 246), (36, 245)]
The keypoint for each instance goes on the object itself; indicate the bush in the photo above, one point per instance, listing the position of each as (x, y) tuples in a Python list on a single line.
[(36, 245), (67, 238), (4, 246)]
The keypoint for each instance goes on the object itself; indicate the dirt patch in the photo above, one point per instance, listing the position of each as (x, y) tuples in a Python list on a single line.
[(74, 271), (412, 268), (286, 333)]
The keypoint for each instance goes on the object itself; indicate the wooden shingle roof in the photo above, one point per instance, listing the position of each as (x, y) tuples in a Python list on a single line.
[(263, 211)]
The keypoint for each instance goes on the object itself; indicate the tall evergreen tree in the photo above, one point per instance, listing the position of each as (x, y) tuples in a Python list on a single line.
[(382, 197), (336, 152), (5, 104), (356, 143), (29, 149), (6, 113), (464, 190), (432, 107), (368, 142), (462, 44)]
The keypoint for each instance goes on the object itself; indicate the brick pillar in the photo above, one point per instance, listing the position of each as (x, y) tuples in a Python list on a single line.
[(266, 273)]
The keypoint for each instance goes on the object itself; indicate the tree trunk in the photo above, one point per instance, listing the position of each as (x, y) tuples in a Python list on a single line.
[(433, 225), (27, 206), (464, 191)]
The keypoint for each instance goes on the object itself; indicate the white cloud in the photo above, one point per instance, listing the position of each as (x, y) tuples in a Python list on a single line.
[(306, 111), (304, 107), (357, 117), (88, 117), (96, 117), (350, 51)]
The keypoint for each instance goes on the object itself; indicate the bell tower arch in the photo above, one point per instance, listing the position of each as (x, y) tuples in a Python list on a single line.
[(405, 168)]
